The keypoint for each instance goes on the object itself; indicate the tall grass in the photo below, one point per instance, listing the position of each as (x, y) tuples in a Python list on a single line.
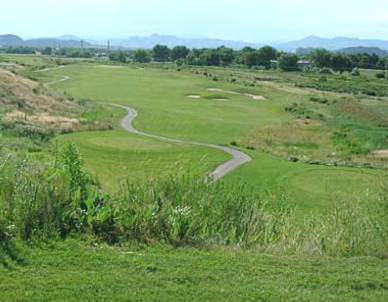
[(54, 200), (187, 211)]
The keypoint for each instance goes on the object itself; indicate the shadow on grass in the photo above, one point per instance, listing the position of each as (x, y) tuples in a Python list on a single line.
[(10, 254)]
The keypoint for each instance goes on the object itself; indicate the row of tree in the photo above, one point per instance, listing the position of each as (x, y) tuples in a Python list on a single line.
[(62, 52), (221, 56), (323, 58), (265, 57)]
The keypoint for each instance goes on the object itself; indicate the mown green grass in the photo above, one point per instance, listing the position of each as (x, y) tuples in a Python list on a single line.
[(116, 156), (312, 189), (73, 271), (160, 96)]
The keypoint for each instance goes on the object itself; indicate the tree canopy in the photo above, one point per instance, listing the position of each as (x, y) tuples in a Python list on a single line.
[(161, 53)]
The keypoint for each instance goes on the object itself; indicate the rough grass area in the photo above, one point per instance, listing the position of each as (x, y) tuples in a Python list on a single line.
[(28, 103), (74, 271), (330, 127)]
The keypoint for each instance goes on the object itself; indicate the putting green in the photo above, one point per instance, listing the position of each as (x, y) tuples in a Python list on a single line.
[(160, 97)]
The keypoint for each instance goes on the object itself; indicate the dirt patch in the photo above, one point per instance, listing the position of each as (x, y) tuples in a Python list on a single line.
[(380, 154), (307, 122)]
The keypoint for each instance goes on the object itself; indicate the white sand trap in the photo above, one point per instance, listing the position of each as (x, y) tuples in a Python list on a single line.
[(222, 100), (194, 97), (252, 96), (255, 97), (380, 154)]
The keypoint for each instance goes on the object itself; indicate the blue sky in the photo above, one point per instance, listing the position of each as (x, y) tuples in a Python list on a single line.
[(247, 20)]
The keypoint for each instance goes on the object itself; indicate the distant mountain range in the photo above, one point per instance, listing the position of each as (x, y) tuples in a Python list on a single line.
[(369, 50), (344, 44), (331, 44), (64, 42), (172, 41)]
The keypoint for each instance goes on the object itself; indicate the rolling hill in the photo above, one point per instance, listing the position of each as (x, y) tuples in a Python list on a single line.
[(13, 40), (331, 44)]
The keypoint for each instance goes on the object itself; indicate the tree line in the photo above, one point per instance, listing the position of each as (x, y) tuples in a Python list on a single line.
[(266, 57), (340, 62)]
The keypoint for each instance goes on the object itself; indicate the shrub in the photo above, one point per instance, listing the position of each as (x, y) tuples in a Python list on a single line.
[(380, 75), (325, 70), (318, 99), (49, 201), (356, 72)]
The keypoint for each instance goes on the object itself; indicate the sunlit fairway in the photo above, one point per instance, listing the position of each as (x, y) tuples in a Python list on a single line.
[(161, 98)]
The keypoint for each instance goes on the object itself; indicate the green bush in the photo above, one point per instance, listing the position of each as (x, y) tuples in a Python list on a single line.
[(48, 201)]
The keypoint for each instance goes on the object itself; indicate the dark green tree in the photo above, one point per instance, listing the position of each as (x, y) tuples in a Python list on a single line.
[(288, 62), (193, 58), (265, 55), (211, 57), (47, 51), (179, 52), (161, 53), (141, 56), (340, 63), (226, 54), (321, 58), (251, 58)]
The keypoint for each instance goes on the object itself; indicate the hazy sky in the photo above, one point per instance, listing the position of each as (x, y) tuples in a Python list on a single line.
[(248, 20)]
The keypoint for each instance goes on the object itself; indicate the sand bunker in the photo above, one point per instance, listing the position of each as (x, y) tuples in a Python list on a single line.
[(193, 96), (252, 96), (255, 97)]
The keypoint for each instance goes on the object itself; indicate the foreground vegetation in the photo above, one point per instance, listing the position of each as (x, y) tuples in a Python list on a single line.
[(306, 227), (56, 216), (54, 201)]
